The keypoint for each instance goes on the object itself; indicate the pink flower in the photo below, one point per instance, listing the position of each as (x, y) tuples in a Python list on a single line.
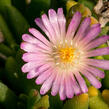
[(59, 62)]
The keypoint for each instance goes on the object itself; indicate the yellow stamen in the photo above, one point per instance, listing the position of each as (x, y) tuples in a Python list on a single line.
[(66, 54), (92, 91)]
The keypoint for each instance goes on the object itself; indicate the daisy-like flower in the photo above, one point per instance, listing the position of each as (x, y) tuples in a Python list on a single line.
[(61, 61)]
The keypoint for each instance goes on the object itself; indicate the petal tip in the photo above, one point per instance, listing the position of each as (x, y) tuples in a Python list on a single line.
[(78, 14), (23, 36), (103, 75), (62, 98), (98, 85), (60, 10), (37, 20), (31, 29), (42, 92), (78, 93), (44, 16), (22, 45), (95, 25), (51, 10), (23, 69), (70, 96), (23, 57), (29, 76), (88, 19), (85, 90), (53, 93), (37, 82)]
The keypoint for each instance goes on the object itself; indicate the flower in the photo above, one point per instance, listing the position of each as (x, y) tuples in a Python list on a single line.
[(61, 61)]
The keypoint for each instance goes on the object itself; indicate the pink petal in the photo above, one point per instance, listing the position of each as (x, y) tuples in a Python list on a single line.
[(29, 66), (97, 42), (47, 84), (82, 29), (92, 33), (56, 84), (69, 87), (39, 36), (62, 22), (41, 78), (49, 27), (27, 57), (30, 39), (39, 22), (62, 89), (32, 74), (73, 25), (75, 85), (35, 72), (81, 82), (29, 47), (94, 81), (54, 22), (98, 52), (104, 64), (45, 67), (96, 25), (96, 72)]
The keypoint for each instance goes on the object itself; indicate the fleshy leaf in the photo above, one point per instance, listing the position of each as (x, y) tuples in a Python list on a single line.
[(95, 99), (7, 97), (105, 95), (78, 102)]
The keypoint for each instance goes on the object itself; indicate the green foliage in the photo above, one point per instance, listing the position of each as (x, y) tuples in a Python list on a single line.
[(77, 102), (6, 32), (97, 102), (7, 97), (104, 30), (20, 5), (105, 95), (42, 103), (55, 102), (105, 81), (35, 101), (89, 3), (6, 50), (5, 2), (36, 7), (95, 99), (16, 21), (33, 98), (15, 76)]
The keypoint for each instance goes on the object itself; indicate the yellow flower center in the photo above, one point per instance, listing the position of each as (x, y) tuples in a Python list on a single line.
[(66, 54)]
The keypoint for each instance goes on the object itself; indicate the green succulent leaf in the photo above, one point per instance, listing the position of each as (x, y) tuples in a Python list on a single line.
[(7, 97), (77, 102)]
